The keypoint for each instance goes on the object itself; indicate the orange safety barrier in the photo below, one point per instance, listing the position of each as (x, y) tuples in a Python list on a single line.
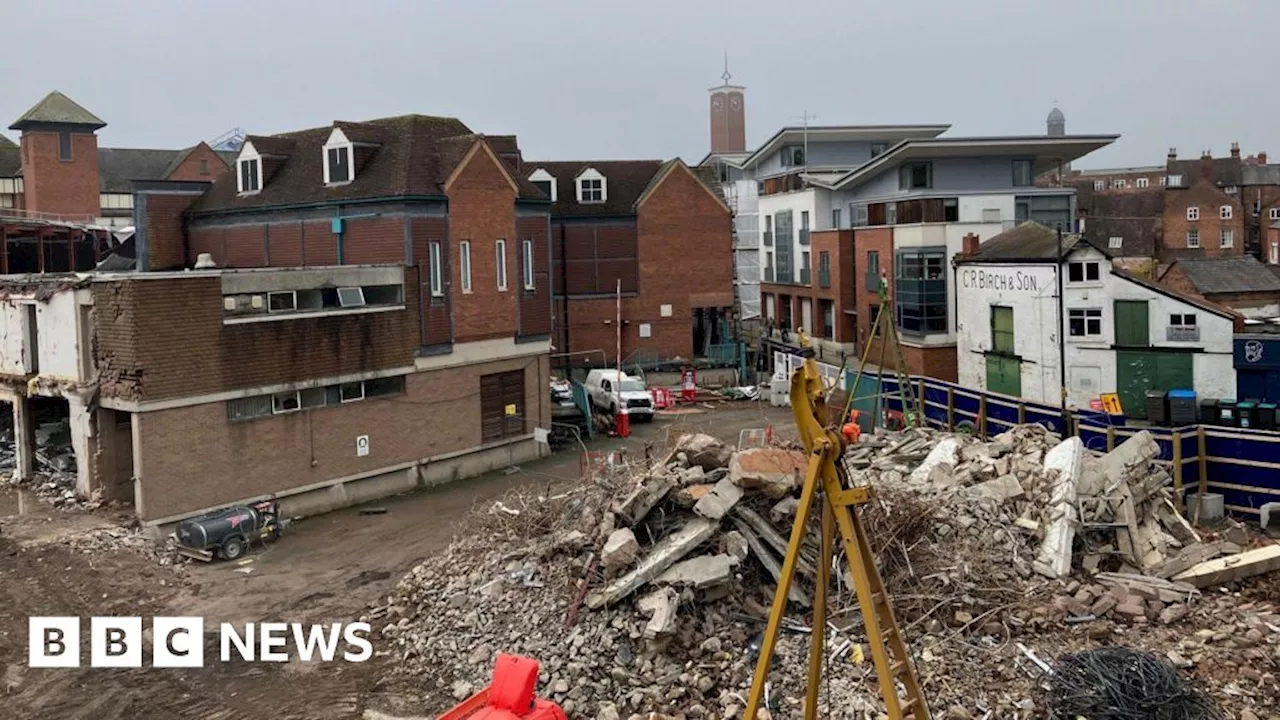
[(510, 696)]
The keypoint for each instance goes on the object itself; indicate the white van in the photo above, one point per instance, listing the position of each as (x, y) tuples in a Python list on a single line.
[(611, 389)]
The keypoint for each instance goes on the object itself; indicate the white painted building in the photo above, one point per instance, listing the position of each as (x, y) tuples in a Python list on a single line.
[(1122, 334)]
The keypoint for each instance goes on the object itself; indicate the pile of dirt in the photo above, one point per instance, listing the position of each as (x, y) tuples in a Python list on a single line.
[(646, 588)]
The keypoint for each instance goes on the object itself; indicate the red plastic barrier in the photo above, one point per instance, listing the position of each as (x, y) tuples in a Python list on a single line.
[(509, 697)]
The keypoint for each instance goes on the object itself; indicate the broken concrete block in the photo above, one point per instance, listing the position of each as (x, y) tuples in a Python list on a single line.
[(773, 471), (1005, 487), (687, 497), (1174, 613), (1209, 508), (946, 452), (719, 501), (704, 451), (660, 605), (784, 510), (693, 476), (1130, 611), (1066, 460), (1027, 524), (662, 556), (620, 550), (1269, 515), (734, 545), (635, 506), (700, 572), (1233, 567)]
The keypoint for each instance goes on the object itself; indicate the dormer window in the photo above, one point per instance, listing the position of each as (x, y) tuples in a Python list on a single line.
[(592, 187), (545, 182), (338, 168), (248, 170)]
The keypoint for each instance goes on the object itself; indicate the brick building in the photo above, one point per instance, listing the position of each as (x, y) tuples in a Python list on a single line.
[(1240, 283), (1203, 216), (659, 229), (373, 315)]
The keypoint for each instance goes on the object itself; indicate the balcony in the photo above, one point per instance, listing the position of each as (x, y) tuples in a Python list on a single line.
[(804, 276), (768, 273), (768, 238), (804, 236), (783, 276), (824, 278)]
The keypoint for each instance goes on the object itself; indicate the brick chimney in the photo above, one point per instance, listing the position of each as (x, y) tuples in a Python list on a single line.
[(970, 245), (60, 158), (1206, 165), (1262, 158), (1173, 153), (1235, 150)]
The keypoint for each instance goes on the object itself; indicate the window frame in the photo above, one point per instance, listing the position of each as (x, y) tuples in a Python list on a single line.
[(342, 392), (1030, 166), (291, 294), (1099, 185), (1193, 239), (66, 152), (598, 185), (1115, 242), (1086, 317), (526, 270), (278, 407), (835, 218), (464, 266), (1273, 213), (243, 178), (1086, 268), (927, 260), (1193, 213), (500, 264), (1226, 238), (338, 149), (1142, 183), (907, 176), (436, 269), (1225, 212), (1180, 319)]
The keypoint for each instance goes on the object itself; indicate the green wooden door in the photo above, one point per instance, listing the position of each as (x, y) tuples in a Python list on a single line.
[(1138, 371), (1004, 367), (1132, 327)]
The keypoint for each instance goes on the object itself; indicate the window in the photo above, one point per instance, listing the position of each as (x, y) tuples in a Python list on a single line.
[(501, 251), (1224, 212), (350, 297), (1193, 213), (114, 201), (337, 165), (1002, 332), (1163, 179), (1231, 190), (1193, 238), (1023, 173), (544, 182), (526, 267), (282, 301), (1082, 272), (873, 271), (1115, 243), (768, 230), (891, 213), (805, 267), (437, 270), (464, 264), (544, 186), (859, 215), (1183, 319), (828, 309), (804, 219), (1274, 213), (793, 156), (1084, 323), (591, 187), (249, 175), (1119, 183), (204, 166), (351, 392), (915, 176), (873, 317), (920, 289), (835, 218), (249, 408), (1099, 184), (1141, 182), (824, 269), (312, 397), (1228, 238), (951, 210), (64, 146), (384, 386), (285, 402), (1175, 180), (878, 148)]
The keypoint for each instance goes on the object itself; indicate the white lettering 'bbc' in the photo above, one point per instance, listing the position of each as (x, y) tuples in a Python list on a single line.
[(177, 642), (115, 642), (53, 642)]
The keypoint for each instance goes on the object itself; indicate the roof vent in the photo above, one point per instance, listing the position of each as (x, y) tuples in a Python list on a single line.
[(204, 261)]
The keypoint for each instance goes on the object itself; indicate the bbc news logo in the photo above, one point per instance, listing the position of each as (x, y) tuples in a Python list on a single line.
[(178, 642)]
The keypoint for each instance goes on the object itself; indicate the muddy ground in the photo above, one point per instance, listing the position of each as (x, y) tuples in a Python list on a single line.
[(327, 568)]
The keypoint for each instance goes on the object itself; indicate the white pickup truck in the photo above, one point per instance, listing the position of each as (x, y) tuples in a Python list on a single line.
[(611, 389)]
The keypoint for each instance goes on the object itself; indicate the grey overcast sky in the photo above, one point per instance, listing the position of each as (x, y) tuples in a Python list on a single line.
[(580, 79)]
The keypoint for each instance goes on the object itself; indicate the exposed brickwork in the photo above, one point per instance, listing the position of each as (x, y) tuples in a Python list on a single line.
[(52, 185), (838, 244), (437, 322), (1209, 199), (143, 354), (878, 240), (284, 244), (482, 211), (373, 240), (164, 231), (1177, 279), (244, 246), (1264, 198), (438, 413), (535, 306), (202, 164)]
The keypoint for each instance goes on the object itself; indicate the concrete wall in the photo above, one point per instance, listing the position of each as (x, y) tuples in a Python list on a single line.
[(1091, 362), (828, 154), (952, 176), (797, 202), (61, 332)]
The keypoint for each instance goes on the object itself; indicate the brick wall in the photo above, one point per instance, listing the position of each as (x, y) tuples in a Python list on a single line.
[(1177, 279), (1209, 199), (201, 165), (482, 211), (52, 185), (371, 241), (162, 338), (438, 413), (437, 320), (878, 240), (839, 246), (535, 306), (164, 231)]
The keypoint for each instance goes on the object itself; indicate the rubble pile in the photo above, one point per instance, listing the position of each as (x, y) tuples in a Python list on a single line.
[(646, 588), (54, 479)]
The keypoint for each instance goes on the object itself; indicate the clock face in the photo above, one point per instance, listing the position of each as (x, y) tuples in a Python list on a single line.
[(717, 102), (735, 103)]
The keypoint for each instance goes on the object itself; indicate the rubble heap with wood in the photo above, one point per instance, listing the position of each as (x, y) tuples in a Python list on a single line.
[(646, 587)]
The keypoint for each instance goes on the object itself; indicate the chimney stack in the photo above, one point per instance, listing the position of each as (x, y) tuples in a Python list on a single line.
[(1262, 158), (1235, 149), (1173, 153), (970, 244), (1206, 166)]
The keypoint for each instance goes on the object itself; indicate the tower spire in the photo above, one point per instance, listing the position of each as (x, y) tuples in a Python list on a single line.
[(726, 74)]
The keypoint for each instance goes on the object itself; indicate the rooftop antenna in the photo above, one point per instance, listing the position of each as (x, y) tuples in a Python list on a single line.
[(805, 118), (726, 74)]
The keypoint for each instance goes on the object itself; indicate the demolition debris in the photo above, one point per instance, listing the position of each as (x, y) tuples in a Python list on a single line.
[(646, 587)]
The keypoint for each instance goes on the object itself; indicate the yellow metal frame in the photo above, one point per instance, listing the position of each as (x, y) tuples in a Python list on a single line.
[(824, 479)]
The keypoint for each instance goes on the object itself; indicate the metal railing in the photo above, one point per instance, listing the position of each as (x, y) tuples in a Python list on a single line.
[(768, 238), (768, 274), (804, 236), (804, 276), (824, 278)]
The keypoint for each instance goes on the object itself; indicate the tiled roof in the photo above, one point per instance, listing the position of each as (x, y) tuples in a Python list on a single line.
[(7, 143), (626, 181), (1230, 275), (60, 109), (1260, 174), (1140, 237), (119, 167), (1226, 171), (1030, 241), (415, 156), (10, 162), (1170, 292)]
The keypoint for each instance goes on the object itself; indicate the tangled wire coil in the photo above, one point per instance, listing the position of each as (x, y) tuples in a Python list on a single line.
[(1119, 683)]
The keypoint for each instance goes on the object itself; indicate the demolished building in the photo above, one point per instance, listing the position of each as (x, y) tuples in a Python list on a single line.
[(364, 309)]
